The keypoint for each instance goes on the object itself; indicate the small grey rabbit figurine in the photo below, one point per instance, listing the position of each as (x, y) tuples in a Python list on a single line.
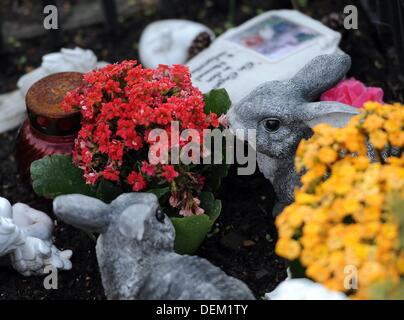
[(283, 113), (135, 251)]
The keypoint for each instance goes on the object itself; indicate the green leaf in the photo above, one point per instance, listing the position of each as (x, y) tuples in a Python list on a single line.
[(107, 191), (56, 175), (396, 204), (303, 3), (297, 269), (215, 175), (300, 3), (212, 206), (191, 231), (387, 290), (217, 101), (160, 192)]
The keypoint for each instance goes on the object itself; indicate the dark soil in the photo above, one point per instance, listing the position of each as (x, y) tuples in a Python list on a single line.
[(242, 242)]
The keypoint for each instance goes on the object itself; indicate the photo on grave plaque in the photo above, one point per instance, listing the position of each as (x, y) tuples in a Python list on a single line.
[(276, 37)]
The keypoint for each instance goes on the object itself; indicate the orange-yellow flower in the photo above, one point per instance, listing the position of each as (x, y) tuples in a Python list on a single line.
[(290, 249), (345, 211), (378, 139), (318, 272), (373, 122), (327, 155)]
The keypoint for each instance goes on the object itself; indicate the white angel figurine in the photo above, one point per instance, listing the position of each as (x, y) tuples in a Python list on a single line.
[(26, 237)]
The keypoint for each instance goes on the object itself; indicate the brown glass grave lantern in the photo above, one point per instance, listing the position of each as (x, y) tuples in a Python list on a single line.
[(49, 129)]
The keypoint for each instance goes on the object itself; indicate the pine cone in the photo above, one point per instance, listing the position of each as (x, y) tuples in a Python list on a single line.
[(201, 42)]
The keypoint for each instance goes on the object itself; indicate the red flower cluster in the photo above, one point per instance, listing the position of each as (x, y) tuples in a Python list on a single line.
[(120, 104)]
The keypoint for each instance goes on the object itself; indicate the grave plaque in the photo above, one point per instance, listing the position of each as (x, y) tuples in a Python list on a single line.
[(271, 46)]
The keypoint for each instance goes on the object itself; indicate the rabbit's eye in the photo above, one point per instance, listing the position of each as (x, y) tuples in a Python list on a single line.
[(160, 216), (272, 124)]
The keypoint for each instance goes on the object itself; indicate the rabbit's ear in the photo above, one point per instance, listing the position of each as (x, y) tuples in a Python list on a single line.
[(133, 220), (86, 213), (334, 113), (321, 74)]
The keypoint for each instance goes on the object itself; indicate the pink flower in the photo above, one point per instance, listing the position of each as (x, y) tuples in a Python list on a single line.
[(224, 122), (189, 212), (192, 207), (354, 93), (197, 209), (174, 202), (186, 212)]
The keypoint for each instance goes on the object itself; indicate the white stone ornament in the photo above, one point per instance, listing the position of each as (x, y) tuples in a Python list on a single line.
[(167, 41), (6, 210), (77, 59), (34, 223), (12, 104), (271, 46), (10, 236), (12, 110), (303, 289), (26, 237)]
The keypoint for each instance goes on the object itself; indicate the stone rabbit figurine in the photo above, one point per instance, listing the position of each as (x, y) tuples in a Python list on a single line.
[(283, 113), (135, 251)]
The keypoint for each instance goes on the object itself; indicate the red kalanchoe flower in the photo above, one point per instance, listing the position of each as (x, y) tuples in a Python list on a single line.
[(120, 105), (91, 177), (169, 173), (214, 120), (111, 174), (137, 181), (148, 169)]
